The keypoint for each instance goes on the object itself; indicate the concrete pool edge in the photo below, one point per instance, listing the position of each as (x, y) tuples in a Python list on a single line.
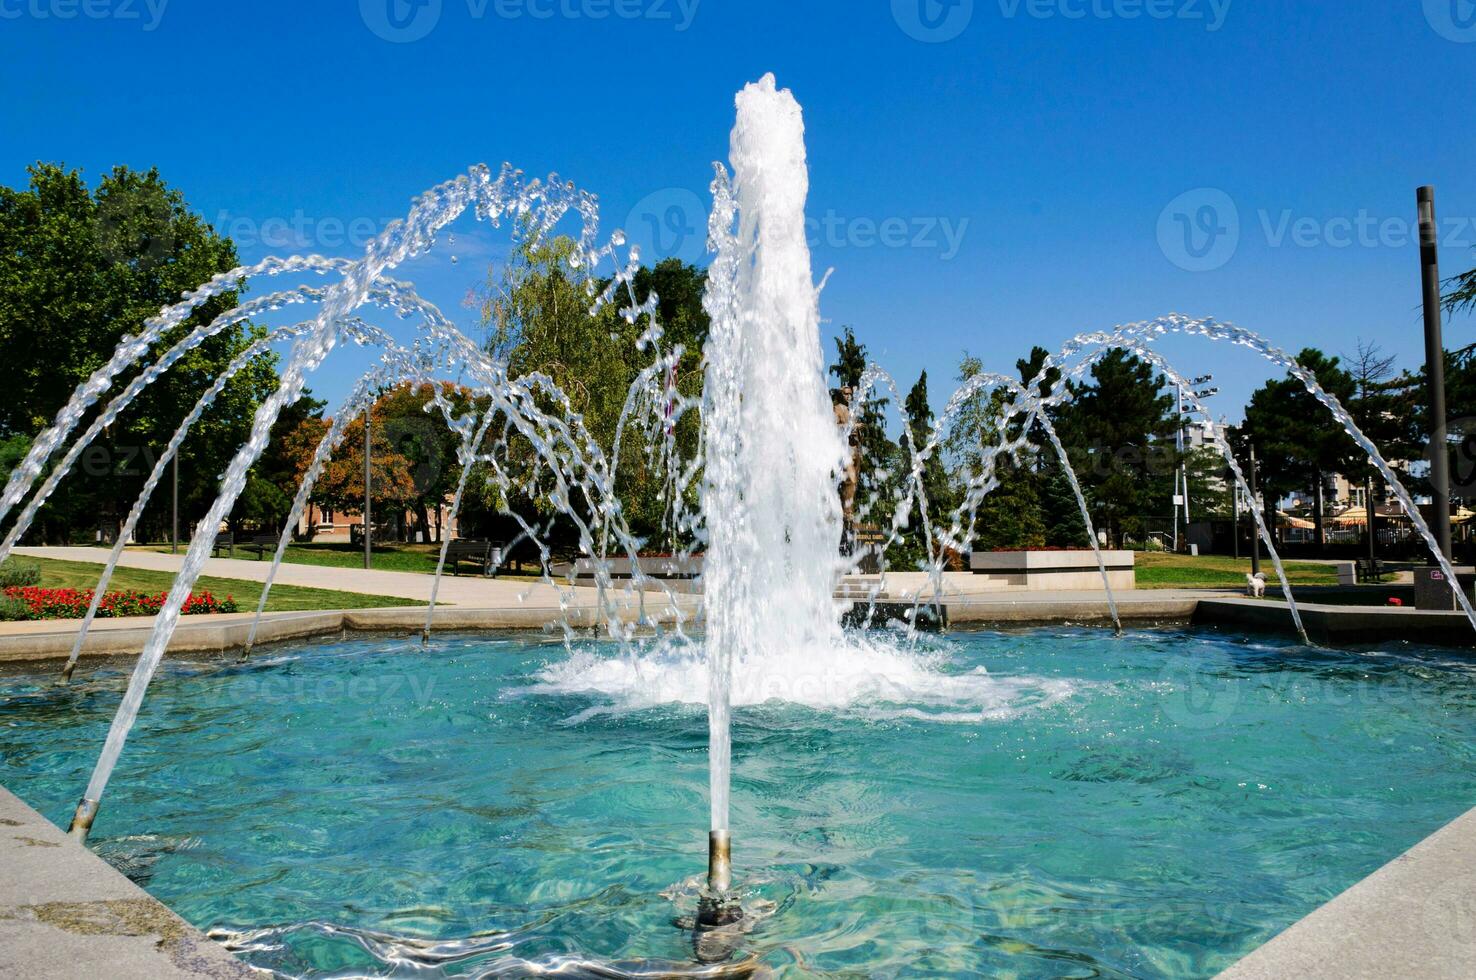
[(1414, 917), (65, 912), (1333, 624)]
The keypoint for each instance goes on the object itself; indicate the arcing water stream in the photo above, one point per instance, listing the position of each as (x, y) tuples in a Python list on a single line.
[(768, 524)]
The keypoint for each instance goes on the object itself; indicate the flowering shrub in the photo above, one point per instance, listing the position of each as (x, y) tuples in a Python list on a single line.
[(72, 603)]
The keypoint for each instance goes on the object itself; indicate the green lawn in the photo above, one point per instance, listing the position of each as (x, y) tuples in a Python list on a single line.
[(284, 598), (1157, 570), (420, 558)]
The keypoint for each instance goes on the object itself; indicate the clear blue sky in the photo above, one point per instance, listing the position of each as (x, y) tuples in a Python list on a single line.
[(1053, 134)]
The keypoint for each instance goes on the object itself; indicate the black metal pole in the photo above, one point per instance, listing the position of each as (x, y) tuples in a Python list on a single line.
[(174, 522), (368, 525), (1255, 538), (1373, 529), (1435, 371)]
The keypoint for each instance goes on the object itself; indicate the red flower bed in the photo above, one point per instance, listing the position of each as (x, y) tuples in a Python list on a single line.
[(73, 603)]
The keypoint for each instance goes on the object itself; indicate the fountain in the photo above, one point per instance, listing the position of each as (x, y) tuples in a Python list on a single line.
[(769, 518)]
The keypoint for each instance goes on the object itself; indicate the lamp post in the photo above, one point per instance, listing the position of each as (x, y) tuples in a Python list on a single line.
[(1372, 514), (1434, 371), (1181, 473), (368, 525), (174, 518)]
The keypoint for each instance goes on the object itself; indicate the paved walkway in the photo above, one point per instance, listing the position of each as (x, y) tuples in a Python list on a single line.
[(461, 590), (474, 591)]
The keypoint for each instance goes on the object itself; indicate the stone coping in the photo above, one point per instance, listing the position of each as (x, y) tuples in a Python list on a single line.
[(1334, 625), (1414, 917), (53, 639), (66, 913)]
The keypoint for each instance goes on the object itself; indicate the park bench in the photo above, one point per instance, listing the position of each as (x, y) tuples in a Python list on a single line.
[(261, 544), (478, 553), (1370, 570)]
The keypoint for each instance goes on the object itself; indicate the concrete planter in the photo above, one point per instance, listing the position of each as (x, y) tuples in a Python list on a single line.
[(1065, 571)]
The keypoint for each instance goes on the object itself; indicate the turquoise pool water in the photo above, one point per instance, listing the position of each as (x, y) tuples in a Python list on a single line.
[(1150, 806)]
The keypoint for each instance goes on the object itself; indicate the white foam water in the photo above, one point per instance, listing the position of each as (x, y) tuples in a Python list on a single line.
[(872, 675)]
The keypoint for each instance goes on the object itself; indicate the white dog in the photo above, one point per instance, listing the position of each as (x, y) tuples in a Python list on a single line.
[(1255, 585)]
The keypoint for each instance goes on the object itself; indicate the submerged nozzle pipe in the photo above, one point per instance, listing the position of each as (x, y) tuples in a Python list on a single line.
[(718, 908), (719, 861), (82, 819)]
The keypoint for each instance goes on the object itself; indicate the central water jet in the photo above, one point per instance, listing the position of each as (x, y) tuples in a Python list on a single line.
[(773, 520)]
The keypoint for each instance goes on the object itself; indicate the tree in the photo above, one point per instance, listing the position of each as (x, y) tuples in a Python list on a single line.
[(1119, 430), (415, 428), (1060, 512), (1296, 440), (850, 359), (341, 485), (81, 269), (1009, 516), (935, 483), (1385, 406), (537, 313), (1462, 294), (271, 485)]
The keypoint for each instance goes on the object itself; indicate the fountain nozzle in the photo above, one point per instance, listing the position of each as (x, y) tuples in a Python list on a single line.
[(82, 819), (718, 908)]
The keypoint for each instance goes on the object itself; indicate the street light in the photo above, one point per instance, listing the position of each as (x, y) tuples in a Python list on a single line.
[(368, 532), (1434, 370), (1181, 473)]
